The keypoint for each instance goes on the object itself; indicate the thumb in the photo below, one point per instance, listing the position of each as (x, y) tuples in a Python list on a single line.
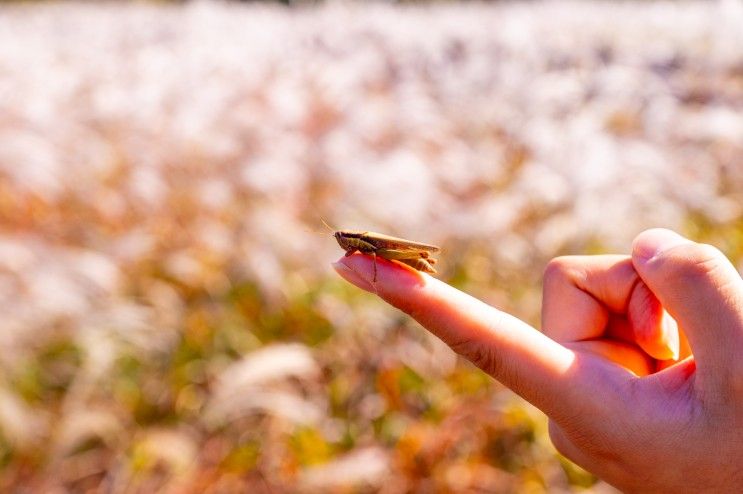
[(701, 289)]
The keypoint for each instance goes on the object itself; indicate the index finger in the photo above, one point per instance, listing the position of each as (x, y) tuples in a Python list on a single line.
[(550, 376)]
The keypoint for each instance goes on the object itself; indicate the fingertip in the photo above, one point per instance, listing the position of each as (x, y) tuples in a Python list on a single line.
[(653, 328), (655, 241), (662, 341), (392, 279), (350, 275), (671, 338)]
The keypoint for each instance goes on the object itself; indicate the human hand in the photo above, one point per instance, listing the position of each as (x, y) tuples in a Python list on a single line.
[(603, 369)]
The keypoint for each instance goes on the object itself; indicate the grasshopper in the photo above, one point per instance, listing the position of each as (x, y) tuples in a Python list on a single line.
[(414, 254)]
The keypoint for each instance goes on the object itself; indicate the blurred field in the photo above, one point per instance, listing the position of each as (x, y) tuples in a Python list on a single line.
[(170, 322)]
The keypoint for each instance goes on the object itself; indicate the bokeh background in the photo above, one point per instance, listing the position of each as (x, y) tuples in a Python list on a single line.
[(169, 321)]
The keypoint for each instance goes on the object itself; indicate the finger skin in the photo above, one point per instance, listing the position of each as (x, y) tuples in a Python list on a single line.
[(703, 292), (545, 373), (582, 294)]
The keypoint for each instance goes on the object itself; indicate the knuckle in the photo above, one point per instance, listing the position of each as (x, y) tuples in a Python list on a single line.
[(558, 439), (480, 354), (692, 261), (559, 268), (580, 438)]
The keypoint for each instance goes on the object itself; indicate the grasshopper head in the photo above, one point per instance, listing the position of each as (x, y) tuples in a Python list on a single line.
[(341, 240)]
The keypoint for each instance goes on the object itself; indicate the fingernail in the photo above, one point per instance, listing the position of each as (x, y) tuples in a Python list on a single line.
[(351, 276), (653, 242), (670, 337)]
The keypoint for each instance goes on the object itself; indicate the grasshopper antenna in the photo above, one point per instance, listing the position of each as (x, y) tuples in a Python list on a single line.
[(332, 230)]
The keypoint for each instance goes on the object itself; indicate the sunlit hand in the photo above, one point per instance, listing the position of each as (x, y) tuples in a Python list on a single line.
[(595, 368)]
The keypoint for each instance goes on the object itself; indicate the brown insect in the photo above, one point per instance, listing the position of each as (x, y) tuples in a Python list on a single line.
[(414, 254)]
